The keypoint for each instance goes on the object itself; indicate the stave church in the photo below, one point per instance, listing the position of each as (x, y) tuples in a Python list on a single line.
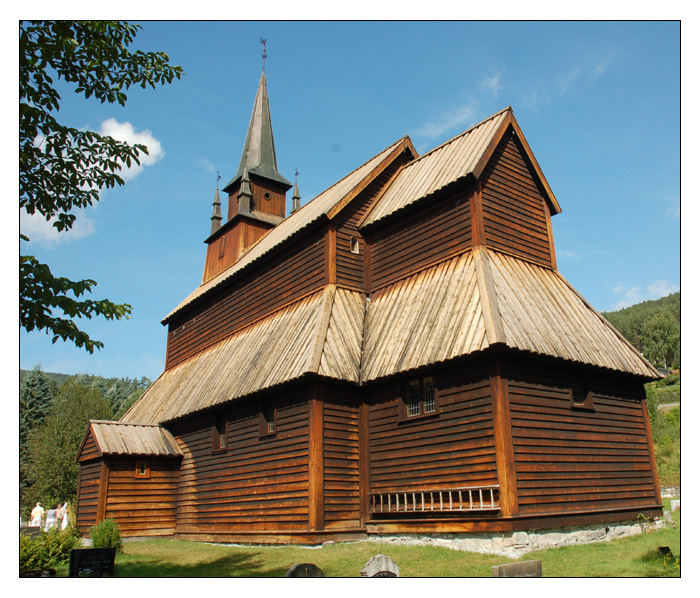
[(398, 355)]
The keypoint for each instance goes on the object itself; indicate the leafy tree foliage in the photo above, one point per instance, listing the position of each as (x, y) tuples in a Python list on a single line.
[(53, 446), (654, 328), (63, 168), (35, 398), (117, 391)]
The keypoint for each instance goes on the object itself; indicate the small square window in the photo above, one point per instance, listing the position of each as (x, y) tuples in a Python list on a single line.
[(142, 470), (581, 395), (219, 435), (354, 245), (268, 424), (420, 397)]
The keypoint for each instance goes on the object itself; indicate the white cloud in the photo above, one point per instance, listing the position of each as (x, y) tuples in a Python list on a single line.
[(661, 288), (207, 165), (125, 132), (448, 120), (635, 294), (492, 84), (566, 81), (602, 66), (40, 230)]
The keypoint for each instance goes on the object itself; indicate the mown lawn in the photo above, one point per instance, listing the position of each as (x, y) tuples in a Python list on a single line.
[(636, 556)]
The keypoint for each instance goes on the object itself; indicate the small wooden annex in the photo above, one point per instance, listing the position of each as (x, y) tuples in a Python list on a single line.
[(398, 355)]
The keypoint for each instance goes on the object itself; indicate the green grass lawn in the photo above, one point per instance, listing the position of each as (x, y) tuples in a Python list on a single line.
[(636, 556)]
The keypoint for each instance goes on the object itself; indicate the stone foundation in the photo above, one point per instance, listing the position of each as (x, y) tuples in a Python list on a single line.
[(515, 544)]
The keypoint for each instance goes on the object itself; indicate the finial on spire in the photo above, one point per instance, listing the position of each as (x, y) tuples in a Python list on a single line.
[(218, 178), (264, 51)]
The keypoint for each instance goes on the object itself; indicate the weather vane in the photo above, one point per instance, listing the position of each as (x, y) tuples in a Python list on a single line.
[(296, 174), (218, 178), (264, 52)]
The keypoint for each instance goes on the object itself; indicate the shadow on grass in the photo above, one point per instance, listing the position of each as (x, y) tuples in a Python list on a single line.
[(232, 565)]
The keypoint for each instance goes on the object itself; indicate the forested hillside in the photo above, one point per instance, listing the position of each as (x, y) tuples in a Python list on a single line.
[(654, 328)]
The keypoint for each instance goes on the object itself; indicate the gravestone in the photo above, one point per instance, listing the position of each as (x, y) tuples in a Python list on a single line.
[(522, 569), (667, 517), (91, 562), (304, 570), (380, 566), (675, 505)]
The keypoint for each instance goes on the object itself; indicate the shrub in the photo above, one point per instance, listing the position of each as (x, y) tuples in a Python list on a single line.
[(48, 549), (106, 534)]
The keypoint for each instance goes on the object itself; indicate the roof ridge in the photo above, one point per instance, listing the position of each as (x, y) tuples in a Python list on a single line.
[(391, 145), (462, 134)]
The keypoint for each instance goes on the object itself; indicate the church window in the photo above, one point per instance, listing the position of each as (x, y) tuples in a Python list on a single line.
[(420, 397), (354, 245)]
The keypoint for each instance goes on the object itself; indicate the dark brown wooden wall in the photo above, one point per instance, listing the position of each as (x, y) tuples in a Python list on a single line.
[(574, 460), (438, 231), (514, 204), (142, 506), (88, 494), (453, 449), (300, 271), (256, 483), (341, 462), (350, 267), (89, 450)]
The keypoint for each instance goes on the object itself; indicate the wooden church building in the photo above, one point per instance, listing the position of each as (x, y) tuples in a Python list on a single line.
[(398, 355)]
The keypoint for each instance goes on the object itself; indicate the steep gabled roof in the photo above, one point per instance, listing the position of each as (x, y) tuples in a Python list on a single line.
[(484, 298), (323, 206), (131, 439), (465, 155), (320, 334), (259, 155)]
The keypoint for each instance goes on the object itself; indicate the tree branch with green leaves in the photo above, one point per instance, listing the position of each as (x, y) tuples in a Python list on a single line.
[(63, 168)]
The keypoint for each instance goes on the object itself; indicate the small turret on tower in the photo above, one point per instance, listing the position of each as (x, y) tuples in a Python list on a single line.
[(296, 198), (216, 214)]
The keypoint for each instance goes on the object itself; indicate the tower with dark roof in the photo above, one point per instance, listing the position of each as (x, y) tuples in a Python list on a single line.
[(257, 193)]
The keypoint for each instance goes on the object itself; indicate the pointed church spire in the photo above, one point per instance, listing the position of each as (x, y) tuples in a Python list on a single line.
[(259, 155)]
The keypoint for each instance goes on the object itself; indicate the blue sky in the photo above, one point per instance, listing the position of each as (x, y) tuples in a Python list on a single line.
[(599, 103)]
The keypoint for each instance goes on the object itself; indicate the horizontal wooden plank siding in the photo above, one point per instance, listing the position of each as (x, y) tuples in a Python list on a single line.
[(143, 506), (570, 459), (298, 272), (341, 465), (350, 267), (452, 449), (88, 495), (514, 205), (90, 450), (436, 232), (256, 483)]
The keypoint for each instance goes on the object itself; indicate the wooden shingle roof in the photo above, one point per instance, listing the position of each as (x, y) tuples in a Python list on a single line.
[(133, 439), (464, 155), (320, 334), (484, 298)]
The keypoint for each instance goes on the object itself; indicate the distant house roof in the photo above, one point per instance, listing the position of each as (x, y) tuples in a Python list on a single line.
[(326, 205), (132, 439)]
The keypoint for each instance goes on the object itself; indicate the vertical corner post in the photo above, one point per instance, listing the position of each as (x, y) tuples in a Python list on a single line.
[(503, 436), (316, 484)]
